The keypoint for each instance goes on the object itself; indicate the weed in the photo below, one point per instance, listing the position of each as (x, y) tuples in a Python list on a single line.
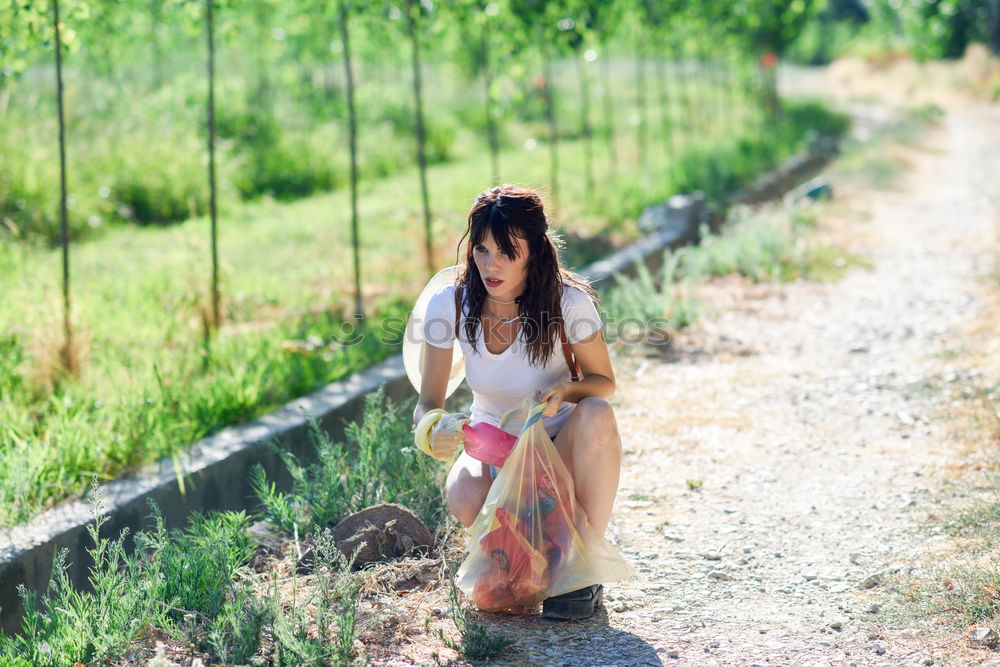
[(375, 465), (661, 305), (321, 629), (235, 634), (763, 247), (476, 641), (71, 626), (694, 484), (194, 569)]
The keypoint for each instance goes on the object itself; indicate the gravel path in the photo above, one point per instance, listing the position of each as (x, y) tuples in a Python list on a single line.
[(816, 446), (798, 414)]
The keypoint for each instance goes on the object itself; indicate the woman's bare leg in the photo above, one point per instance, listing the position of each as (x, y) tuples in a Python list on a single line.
[(467, 486), (591, 448)]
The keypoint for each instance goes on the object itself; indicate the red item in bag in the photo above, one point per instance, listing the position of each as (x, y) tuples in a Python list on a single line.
[(518, 571), (487, 443)]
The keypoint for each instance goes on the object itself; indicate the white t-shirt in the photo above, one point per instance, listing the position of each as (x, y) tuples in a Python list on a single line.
[(500, 381)]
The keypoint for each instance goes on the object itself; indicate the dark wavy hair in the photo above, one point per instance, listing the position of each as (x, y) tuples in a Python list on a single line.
[(506, 212)]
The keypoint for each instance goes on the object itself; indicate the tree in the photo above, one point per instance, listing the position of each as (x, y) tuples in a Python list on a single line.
[(352, 133), (413, 17), (477, 22), (67, 354), (210, 39), (768, 28), (539, 21)]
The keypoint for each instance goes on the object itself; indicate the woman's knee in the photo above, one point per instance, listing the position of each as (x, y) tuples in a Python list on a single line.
[(466, 492), (595, 415)]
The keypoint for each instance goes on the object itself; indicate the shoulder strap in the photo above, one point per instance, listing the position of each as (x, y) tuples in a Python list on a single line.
[(574, 366)]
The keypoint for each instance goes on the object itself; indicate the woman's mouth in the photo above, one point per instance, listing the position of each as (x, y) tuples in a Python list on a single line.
[(493, 282)]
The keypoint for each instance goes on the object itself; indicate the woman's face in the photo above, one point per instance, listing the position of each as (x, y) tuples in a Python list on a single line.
[(505, 277)]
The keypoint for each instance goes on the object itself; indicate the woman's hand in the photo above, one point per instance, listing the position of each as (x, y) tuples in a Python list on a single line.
[(445, 444), (554, 396)]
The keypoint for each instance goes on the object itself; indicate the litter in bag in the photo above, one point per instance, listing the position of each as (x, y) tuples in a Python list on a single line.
[(532, 539), (487, 443)]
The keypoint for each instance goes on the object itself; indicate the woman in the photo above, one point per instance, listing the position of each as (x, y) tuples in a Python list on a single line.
[(513, 298)]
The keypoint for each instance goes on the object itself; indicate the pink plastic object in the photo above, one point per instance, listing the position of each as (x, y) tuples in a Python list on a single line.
[(487, 443)]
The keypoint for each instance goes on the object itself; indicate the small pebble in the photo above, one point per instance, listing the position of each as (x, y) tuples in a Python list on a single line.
[(718, 575), (873, 608), (878, 648), (673, 654)]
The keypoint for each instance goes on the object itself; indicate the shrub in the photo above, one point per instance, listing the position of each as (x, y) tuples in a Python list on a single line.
[(377, 464), (71, 626)]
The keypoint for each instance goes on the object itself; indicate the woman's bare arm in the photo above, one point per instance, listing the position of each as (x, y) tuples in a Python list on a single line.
[(434, 379), (598, 375)]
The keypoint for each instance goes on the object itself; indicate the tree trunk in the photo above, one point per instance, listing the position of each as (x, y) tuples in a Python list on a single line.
[(492, 135), (663, 96), (67, 356), (262, 19), (609, 111), (994, 27), (588, 157), (213, 213), (156, 15), (352, 138), (675, 112), (411, 25), (550, 112), (640, 82), (687, 91)]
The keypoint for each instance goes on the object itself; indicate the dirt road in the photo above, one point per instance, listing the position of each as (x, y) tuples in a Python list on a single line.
[(788, 449)]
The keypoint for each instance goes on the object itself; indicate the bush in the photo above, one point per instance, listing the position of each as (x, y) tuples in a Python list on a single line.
[(194, 568), (71, 626), (291, 167), (377, 464)]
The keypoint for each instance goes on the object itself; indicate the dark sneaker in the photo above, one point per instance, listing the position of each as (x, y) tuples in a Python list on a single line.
[(574, 605)]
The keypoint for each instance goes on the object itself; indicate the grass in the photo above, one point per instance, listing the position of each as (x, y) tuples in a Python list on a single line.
[(476, 641), (376, 465), (759, 244), (962, 588), (148, 384), (194, 586)]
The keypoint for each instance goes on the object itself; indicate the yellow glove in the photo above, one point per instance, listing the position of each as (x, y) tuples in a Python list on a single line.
[(437, 422), (422, 433)]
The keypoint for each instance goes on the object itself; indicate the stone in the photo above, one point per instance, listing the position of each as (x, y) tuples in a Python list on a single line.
[(873, 608), (872, 580), (984, 636), (878, 648), (673, 654), (718, 575)]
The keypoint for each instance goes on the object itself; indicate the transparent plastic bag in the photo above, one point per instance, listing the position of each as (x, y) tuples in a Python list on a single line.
[(531, 539)]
